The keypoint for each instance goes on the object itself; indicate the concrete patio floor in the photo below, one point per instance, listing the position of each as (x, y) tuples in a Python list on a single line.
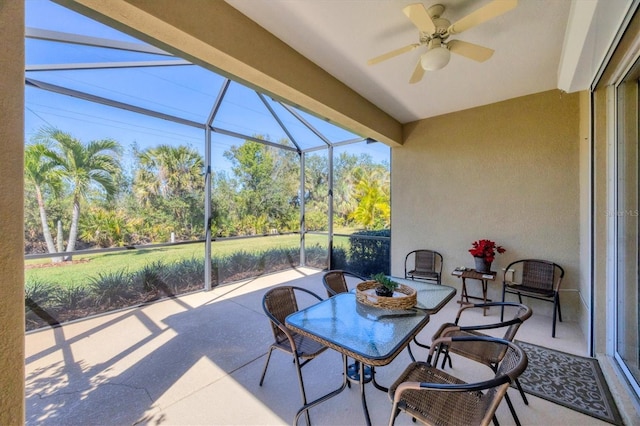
[(197, 360)]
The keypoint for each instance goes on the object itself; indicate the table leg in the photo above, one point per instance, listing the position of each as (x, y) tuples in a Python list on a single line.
[(376, 384), (463, 293), (331, 394), (354, 372), (484, 296), (362, 395)]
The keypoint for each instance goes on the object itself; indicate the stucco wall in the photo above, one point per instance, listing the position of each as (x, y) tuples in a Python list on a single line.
[(11, 213), (508, 172)]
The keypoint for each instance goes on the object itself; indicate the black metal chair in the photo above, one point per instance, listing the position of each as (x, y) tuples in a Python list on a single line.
[(489, 354), (278, 303), (423, 265), (541, 280), (437, 398)]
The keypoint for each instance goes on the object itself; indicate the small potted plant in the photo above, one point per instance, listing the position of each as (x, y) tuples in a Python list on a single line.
[(385, 286), (484, 252)]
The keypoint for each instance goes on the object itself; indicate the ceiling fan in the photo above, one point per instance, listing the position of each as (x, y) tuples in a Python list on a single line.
[(435, 32)]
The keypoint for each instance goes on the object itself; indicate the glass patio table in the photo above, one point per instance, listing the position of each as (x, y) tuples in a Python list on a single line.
[(431, 297), (371, 336)]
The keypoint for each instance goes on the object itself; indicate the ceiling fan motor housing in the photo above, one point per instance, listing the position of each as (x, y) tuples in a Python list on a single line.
[(442, 26)]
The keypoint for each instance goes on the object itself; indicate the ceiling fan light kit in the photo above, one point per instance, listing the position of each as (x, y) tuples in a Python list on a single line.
[(437, 57), (435, 30)]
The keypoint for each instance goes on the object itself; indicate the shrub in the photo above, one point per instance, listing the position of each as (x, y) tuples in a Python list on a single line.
[(368, 256), (39, 307), (72, 297), (112, 289), (184, 275), (280, 258), (150, 279), (236, 265), (39, 294), (47, 304), (338, 258)]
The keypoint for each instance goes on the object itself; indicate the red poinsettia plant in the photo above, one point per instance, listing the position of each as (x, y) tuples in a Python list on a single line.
[(486, 249)]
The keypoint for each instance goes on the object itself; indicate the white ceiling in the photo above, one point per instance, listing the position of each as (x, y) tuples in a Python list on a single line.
[(341, 35)]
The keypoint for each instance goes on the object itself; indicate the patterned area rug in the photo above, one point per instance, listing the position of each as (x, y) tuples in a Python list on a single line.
[(572, 381)]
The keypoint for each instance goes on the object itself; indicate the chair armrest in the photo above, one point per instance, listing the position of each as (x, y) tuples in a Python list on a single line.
[(482, 306), (287, 333), (479, 327), (446, 340), (403, 387), (450, 387), (556, 287)]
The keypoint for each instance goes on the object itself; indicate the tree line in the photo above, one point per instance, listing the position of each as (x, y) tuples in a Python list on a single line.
[(95, 194)]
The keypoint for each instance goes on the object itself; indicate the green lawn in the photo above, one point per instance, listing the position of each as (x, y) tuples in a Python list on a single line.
[(133, 260)]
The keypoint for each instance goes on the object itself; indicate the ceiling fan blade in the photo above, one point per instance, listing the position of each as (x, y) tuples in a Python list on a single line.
[(489, 11), (418, 15), (470, 50), (418, 73), (391, 54)]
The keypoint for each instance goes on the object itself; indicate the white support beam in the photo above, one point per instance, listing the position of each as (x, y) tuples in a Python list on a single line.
[(58, 36), (591, 29), (105, 65)]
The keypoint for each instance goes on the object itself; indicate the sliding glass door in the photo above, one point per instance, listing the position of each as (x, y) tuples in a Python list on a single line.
[(627, 214)]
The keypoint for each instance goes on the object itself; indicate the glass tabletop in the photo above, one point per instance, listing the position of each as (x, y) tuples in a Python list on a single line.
[(430, 297), (372, 333)]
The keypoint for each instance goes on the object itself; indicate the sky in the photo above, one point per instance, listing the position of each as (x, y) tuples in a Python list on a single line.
[(188, 92)]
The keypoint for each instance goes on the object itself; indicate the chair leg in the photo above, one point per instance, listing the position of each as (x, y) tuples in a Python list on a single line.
[(444, 350), (410, 352), (555, 311), (559, 310), (524, 397), (444, 360), (394, 413), (513, 410), (304, 395), (266, 364), (504, 288), (447, 357)]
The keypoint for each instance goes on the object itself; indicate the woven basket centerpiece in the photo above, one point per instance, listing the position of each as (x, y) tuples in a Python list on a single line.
[(404, 297)]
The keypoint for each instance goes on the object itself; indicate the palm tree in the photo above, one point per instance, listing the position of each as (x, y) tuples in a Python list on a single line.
[(168, 171), (41, 171), (372, 192), (345, 179), (84, 167), (169, 179)]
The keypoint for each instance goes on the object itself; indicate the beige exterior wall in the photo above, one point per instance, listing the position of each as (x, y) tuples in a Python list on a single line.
[(11, 214), (508, 172)]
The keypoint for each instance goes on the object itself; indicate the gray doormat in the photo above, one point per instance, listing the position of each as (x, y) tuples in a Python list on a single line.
[(569, 380)]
